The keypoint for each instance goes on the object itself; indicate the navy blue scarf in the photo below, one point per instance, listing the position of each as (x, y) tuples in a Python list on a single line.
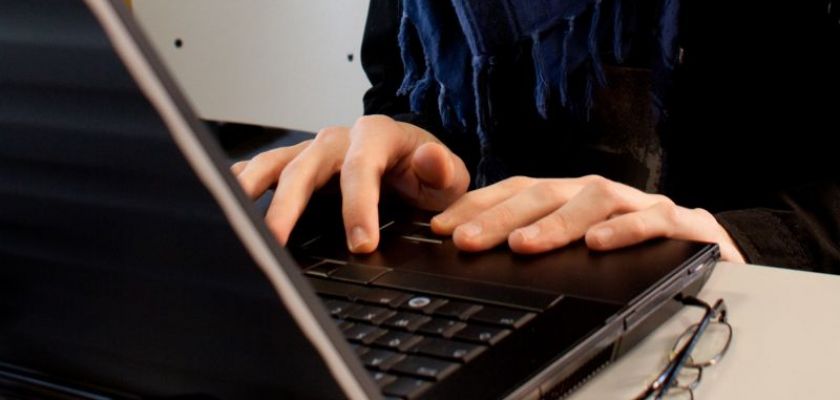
[(460, 40)]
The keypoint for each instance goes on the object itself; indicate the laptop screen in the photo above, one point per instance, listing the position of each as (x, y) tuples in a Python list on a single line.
[(117, 266)]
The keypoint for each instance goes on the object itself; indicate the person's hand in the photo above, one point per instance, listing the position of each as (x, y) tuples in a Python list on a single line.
[(538, 215), (376, 149)]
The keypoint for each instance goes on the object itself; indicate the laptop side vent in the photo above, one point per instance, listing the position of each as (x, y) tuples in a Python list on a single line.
[(567, 386)]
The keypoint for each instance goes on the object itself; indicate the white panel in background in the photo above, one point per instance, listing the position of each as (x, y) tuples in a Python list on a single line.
[(281, 63)]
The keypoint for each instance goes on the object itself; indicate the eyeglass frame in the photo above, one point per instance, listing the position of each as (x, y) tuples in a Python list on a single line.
[(681, 358)]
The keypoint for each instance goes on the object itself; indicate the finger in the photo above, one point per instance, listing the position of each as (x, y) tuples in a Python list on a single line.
[(660, 220), (436, 177), (596, 202), (492, 226), (238, 166), (310, 170), (263, 170), (376, 143), (663, 219), (473, 203)]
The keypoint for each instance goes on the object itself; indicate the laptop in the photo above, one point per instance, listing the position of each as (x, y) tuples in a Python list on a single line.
[(133, 266)]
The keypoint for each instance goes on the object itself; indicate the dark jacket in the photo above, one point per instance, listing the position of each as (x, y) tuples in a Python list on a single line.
[(751, 119)]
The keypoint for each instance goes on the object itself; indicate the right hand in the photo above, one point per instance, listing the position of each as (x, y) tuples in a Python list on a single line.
[(376, 149)]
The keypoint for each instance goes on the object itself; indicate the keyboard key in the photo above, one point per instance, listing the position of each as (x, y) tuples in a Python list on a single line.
[(449, 349), (424, 230), (458, 310), (442, 327), (407, 321), (323, 269), (336, 289), (370, 314), (382, 379), (365, 334), (344, 325), (400, 341), (502, 316), (421, 239), (482, 334), (385, 297), (424, 367), (358, 273), (339, 308), (360, 350), (406, 388), (424, 304), (381, 359)]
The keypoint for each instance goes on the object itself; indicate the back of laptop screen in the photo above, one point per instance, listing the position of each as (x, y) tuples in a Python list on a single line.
[(118, 268)]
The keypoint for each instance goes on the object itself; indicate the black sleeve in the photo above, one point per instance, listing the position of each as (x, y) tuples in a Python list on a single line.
[(805, 234), (762, 100), (383, 66), (381, 60)]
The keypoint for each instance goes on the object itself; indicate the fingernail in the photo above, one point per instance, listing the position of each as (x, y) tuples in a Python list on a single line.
[(470, 229), (440, 219), (529, 232), (358, 238), (603, 235)]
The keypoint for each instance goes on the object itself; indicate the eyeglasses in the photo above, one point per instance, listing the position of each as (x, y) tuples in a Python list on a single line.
[(692, 352)]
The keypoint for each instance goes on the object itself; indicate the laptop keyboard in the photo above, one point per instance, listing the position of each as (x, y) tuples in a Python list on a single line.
[(406, 339)]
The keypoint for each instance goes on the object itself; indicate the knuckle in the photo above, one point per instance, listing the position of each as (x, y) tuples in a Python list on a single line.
[(500, 215), (356, 162), (518, 181), (669, 211), (365, 123), (557, 221), (592, 178), (471, 200), (262, 158), (353, 162), (363, 120), (291, 169), (658, 198), (331, 135), (703, 213), (477, 200), (302, 145), (547, 191), (605, 188), (637, 227), (296, 150)]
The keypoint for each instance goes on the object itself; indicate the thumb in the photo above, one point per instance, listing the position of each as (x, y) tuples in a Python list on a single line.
[(442, 174), (433, 165)]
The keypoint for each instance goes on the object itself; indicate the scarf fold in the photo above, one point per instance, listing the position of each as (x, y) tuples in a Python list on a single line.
[(460, 41)]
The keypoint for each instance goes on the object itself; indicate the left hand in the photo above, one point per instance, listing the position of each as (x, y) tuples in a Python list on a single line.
[(538, 215)]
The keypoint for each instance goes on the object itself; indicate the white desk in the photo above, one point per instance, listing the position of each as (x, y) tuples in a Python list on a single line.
[(786, 343)]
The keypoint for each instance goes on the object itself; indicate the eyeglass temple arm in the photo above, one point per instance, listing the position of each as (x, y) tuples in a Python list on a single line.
[(669, 375), (660, 386)]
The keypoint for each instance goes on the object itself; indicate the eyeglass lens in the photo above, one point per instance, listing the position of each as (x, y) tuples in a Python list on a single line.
[(710, 347)]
